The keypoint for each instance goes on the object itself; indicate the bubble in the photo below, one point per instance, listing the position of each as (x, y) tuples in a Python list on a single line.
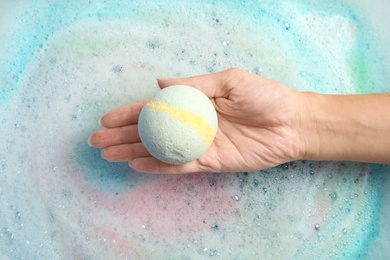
[(117, 69), (333, 195)]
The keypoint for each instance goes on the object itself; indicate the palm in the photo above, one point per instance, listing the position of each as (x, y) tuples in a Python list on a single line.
[(254, 127)]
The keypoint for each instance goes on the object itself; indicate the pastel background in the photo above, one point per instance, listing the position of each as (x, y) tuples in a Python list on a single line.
[(63, 64)]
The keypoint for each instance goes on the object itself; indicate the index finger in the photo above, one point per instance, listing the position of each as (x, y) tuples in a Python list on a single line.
[(212, 85), (122, 116)]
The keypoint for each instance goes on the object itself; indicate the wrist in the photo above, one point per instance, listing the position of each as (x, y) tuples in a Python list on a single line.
[(325, 128), (307, 125)]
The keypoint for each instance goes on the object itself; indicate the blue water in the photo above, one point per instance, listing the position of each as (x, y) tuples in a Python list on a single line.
[(59, 73)]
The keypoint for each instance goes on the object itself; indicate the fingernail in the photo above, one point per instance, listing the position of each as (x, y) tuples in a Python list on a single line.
[(89, 141), (100, 121), (129, 164), (158, 80), (161, 79), (102, 154)]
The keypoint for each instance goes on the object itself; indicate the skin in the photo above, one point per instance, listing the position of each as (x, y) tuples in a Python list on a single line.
[(261, 124)]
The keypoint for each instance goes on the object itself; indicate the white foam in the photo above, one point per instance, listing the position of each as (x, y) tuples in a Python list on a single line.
[(67, 202)]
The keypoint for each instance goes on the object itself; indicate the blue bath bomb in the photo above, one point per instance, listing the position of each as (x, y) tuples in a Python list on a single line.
[(178, 124)]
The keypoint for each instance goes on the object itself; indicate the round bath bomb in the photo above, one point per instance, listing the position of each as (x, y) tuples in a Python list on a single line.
[(178, 124)]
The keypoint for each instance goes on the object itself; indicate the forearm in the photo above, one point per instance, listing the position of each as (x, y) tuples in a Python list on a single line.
[(346, 127)]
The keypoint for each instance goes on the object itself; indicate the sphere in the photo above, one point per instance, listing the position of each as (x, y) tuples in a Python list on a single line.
[(178, 124)]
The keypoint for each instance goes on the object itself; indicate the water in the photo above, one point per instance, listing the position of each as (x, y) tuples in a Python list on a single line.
[(64, 64)]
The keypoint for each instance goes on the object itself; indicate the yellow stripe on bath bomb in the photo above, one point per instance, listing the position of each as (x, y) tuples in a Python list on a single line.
[(203, 128)]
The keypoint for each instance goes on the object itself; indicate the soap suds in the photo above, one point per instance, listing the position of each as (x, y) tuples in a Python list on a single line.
[(67, 64)]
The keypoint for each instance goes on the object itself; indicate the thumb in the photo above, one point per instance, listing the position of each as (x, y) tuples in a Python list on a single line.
[(212, 85)]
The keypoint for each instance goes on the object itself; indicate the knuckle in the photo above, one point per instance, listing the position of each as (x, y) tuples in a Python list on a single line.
[(234, 71)]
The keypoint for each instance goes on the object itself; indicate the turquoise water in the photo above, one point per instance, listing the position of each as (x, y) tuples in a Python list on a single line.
[(64, 64)]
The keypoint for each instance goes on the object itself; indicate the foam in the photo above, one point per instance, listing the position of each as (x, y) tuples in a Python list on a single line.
[(62, 200)]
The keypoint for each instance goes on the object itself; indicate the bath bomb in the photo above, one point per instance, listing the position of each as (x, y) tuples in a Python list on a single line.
[(178, 124)]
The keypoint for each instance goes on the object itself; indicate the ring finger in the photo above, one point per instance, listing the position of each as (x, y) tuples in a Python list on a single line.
[(124, 152), (115, 136)]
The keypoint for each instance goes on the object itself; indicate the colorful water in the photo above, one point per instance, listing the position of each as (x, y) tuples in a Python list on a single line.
[(64, 64)]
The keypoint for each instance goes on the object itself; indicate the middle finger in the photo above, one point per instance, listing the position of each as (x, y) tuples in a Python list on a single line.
[(115, 136)]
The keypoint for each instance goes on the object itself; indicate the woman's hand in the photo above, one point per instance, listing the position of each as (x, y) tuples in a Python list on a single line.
[(258, 126)]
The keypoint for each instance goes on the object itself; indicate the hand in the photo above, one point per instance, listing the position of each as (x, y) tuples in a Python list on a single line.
[(257, 127)]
